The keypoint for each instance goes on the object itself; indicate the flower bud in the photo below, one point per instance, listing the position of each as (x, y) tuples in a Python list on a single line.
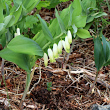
[(50, 53), (69, 37), (67, 43), (45, 59), (60, 46), (55, 50), (64, 45)]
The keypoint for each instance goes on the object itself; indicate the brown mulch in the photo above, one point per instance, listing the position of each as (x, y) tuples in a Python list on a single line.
[(71, 81)]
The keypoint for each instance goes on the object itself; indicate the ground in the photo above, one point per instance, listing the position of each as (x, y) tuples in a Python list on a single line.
[(63, 85)]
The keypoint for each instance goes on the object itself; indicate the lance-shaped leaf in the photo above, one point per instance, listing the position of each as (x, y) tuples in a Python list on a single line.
[(9, 20), (17, 13), (22, 60), (21, 44), (98, 53), (61, 24), (2, 29), (30, 4), (45, 29), (71, 12), (106, 48), (31, 7)]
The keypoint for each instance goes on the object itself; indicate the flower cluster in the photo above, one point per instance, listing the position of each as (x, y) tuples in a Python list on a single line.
[(57, 49)]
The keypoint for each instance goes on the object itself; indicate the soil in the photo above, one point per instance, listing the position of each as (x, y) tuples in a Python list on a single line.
[(64, 85)]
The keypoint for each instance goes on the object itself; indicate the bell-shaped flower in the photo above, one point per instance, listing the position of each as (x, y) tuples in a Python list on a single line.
[(15, 34), (18, 31), (64, 45), (55, 50), (69, 36), (67, 43), (45, 59), (60, 46), (50, 53)]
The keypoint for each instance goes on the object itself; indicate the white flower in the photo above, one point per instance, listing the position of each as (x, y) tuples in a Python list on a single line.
[(67, 43), (50, 53), (18, 31), (55, 50), (69, 36), (45, 59), (60, 46), (15, 34), (64, 45)]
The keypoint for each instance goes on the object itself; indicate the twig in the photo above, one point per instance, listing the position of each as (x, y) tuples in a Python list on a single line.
[(73, 82)]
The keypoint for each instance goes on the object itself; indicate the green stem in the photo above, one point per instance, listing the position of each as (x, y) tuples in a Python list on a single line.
[(2, 67), (28, 82)]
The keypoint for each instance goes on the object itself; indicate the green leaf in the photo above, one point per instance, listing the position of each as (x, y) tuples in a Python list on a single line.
[(40, 39), (86, 4), (42, 4), (21, 60), (2, 28), (60, 22), (31, 5), (3, 40), (99, 14), (9, 20), (17, 13), (106, 48), (82, 33), (91, 17), (74, 28), (17, 3), (98, 53), (77, 8), (21, 44), (53, 3), (107, 63), (28, 4), (1, 12), (30, 20), (88, 25), (7, 9), (45, 29), (66, 16), (49, 84), (79, 21), (70, 20)]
